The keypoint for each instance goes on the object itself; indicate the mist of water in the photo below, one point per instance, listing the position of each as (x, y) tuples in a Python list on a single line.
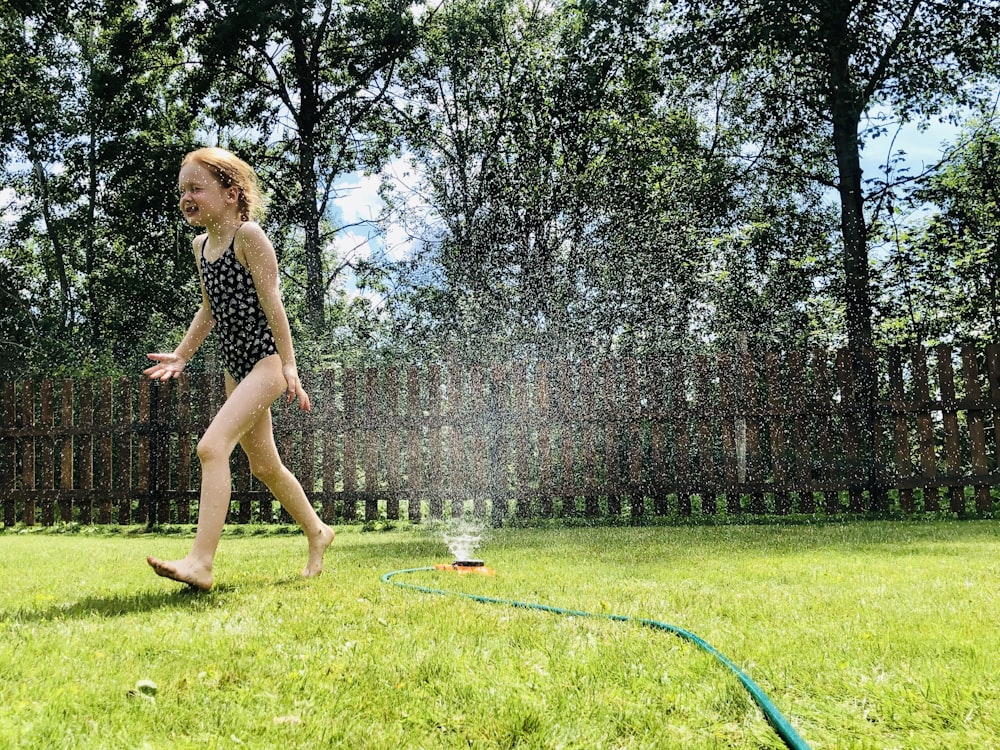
[(463, 537)]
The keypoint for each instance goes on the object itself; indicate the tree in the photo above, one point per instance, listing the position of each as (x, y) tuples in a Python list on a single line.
[(579, 206), (819, 66), (301, 83), (91, 132)]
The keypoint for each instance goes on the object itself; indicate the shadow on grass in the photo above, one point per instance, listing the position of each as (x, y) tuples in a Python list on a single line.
[(117, 605)]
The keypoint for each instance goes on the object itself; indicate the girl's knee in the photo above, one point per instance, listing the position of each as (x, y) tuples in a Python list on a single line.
[(211, 450)]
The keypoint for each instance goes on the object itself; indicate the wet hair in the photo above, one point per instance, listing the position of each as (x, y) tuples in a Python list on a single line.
[(232, 171)]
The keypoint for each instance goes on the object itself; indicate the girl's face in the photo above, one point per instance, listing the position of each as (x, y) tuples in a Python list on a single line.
[(203, 200)]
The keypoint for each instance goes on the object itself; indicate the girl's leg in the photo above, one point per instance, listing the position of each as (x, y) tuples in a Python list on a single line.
[(245, 405), (266, 465)]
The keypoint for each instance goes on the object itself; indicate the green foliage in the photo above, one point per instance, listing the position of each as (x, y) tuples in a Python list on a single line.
[(592, 178), (816, 68), (941, 273), (91, 170)]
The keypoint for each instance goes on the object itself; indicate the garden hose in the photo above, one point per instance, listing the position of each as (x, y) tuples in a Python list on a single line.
[(777, 721)]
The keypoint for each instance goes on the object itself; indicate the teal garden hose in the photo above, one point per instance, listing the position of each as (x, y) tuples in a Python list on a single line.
[(780, 724)]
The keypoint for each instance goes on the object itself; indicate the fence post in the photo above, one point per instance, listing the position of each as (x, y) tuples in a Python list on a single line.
[(152, 467)]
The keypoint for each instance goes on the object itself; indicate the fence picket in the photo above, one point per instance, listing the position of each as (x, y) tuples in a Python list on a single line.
[(47, 452), (903, 463), (977, 430), (925, 429), (949, 419), (28, 486), (66, 460)]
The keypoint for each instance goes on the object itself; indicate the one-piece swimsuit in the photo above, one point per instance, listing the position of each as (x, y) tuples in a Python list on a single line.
[(244, 332)]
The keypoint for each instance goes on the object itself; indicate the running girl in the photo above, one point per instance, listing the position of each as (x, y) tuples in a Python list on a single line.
[(240, 298)]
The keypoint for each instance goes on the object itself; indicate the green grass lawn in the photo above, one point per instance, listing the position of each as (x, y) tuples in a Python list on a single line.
[(874, 635)]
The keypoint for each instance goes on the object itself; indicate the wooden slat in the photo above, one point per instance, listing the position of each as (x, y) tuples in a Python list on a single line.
[(393, 457), (435, 474), (455, 471), (903, 461), (28, 443), (977, 428), (8, 452), (875, 466), (588, 450), (656, 409), (477, 461), (522, 420), (305, 425), (414, 459), (682, 443), (350, 443), (85, 446), (851, 416), (499, 443), (373, 484), (925, 428), (563, 398), (632, 428), (802, 441), (952, 449), (330, 417), (66, 460), (123, 466), (143, 458), (822, 403), (751, 404), (780, 468), (184, 449), (707, 482), (609, 404), (105, 450), (288, 415), (47, 450), (727, 386), (993, 396), (543, 426)]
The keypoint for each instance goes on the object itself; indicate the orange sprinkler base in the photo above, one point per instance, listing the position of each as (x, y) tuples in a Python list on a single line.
[(459, 568)]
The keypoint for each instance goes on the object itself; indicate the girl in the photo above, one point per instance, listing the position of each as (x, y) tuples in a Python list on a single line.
[(239, 290)]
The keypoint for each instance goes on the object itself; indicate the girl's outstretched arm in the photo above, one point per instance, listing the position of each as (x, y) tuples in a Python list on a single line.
[(171, 364), (258, 251)]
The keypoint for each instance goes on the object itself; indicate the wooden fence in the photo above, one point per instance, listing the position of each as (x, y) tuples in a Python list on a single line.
[(757, 433)]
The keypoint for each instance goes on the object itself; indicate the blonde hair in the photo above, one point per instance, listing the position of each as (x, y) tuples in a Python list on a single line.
[(232, 171)]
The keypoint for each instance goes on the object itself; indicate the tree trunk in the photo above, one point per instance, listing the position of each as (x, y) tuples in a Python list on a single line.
[(846, 108)]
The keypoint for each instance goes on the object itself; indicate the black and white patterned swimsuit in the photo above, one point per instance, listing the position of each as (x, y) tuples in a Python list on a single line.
[(244, 333)]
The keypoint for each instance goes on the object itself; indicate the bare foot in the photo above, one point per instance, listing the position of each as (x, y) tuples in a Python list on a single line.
[(317, 547), (196, 576)]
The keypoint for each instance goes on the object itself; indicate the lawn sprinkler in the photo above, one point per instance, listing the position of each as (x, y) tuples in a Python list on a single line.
[(466, 566), (462, 538)]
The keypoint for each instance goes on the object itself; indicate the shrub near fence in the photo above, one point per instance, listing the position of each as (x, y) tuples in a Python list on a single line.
[(748, 434)]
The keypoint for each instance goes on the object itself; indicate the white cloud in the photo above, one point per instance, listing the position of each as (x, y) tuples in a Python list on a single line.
[(358, 198)]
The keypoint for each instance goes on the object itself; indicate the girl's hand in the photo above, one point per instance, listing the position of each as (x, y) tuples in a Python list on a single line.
[(295, 389), (168, 366)]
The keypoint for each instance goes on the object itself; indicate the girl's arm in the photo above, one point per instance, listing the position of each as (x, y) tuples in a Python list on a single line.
[(170, 365), (258, 252)]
